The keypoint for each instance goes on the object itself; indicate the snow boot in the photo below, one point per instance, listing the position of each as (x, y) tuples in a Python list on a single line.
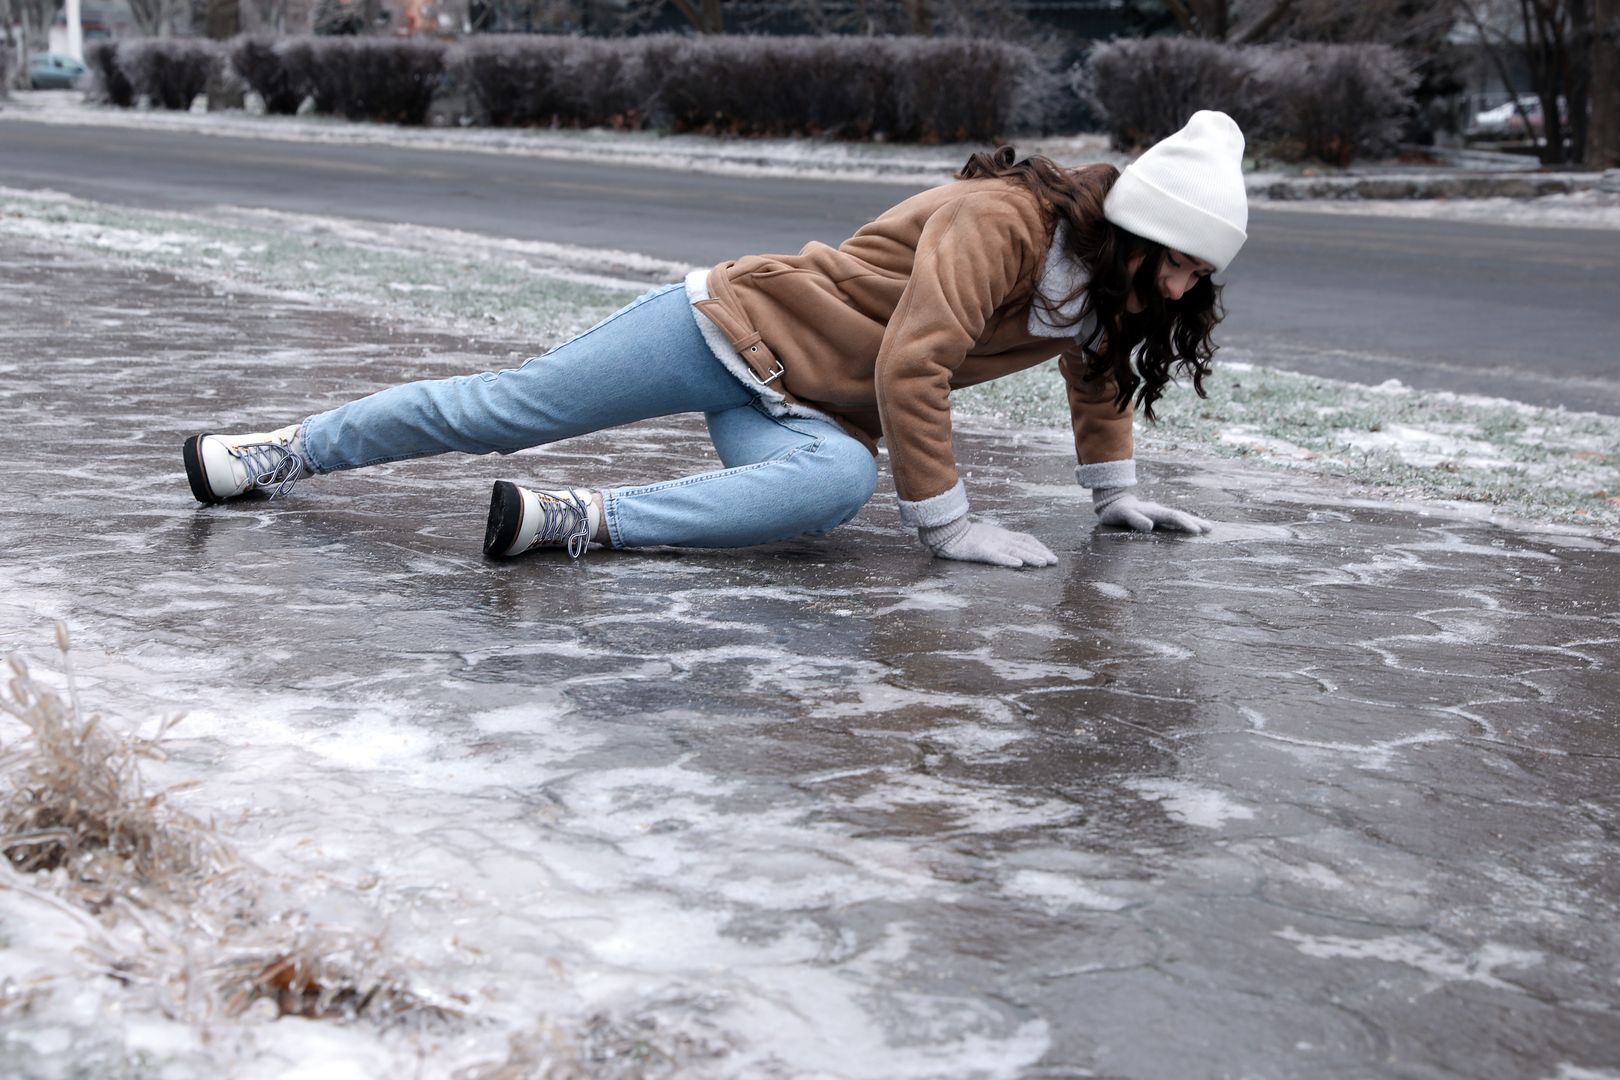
[(222, 467), (521, 520)]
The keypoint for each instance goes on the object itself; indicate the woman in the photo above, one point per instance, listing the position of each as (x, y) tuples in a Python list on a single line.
[(801, 363)]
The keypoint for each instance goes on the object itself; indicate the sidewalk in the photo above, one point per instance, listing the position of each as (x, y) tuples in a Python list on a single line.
[(1328, 793)]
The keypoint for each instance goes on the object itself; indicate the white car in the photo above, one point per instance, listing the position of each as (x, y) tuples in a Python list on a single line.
[(1504, 119)]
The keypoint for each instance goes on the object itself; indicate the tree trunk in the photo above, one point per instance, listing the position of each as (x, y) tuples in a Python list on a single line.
[(921, 19), (705, 20), (224, 22), (1580, 75), (1544, 46), (1603, 64)]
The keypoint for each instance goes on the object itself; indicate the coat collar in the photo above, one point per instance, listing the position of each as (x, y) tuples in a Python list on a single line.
[(1061, 274)]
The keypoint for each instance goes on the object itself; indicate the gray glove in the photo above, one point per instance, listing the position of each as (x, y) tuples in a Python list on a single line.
[(978, 541), (1117, 506)]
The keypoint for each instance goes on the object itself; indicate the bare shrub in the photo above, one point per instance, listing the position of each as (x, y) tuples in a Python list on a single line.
[(1147, 88), (911, 88), (1328, 102), (383, 79), (109, 85), (169, 72), (1340, 102), (258, 61), (529, 80)]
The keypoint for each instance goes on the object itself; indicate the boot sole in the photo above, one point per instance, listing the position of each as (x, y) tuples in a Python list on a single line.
[(196, 473), (505, 519)]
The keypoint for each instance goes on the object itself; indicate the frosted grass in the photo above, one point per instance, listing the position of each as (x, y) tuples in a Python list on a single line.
[(459, 283), (1528, 462)]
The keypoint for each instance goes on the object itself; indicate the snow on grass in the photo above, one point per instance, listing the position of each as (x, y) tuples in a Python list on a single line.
[(440, 275), (1538, 464), (1528, 462)]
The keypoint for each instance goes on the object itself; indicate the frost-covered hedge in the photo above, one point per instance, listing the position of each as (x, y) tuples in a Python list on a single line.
[(907, 88), (915, 89), (258, 63), (535, 80), (167, 73), (1330, 102), (109, 85), (366, 78)]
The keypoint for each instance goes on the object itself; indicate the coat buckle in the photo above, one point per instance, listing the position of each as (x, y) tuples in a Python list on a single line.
[(770, 378)]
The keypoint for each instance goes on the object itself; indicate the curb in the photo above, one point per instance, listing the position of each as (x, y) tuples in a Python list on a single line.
[(1445, 186)]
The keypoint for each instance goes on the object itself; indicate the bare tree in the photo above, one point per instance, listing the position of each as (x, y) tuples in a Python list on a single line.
[(1547, 32), (1228, 20), (32, 22), (1603, 136), (1557, 41), (155, 18)]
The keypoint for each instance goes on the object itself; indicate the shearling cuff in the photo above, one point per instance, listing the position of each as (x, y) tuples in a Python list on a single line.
[(935, 511), (1107, 474)]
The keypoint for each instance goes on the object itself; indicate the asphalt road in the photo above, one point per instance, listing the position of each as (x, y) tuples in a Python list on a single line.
[(1523, 313)]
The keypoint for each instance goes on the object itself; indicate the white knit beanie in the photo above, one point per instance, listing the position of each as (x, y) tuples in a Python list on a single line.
[(1187, 191)]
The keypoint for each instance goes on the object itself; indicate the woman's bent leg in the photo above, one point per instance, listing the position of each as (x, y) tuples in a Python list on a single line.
[(785, 477), (647, 359)]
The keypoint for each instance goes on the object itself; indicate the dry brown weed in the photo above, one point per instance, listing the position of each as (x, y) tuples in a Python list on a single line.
[(78, 825)]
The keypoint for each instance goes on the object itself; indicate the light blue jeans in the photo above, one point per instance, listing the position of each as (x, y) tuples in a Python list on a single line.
[(783, 476)]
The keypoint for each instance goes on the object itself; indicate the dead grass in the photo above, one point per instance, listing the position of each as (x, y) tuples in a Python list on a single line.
[(73, 799), (82, 831)]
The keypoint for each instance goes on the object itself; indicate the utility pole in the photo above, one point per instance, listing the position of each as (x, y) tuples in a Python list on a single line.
[(75, 31)]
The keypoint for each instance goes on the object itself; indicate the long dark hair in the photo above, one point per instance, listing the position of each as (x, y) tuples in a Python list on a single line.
[(1168, 338)]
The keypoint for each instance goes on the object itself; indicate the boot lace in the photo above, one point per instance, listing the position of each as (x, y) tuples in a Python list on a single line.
[(564, 520), (271, 465)]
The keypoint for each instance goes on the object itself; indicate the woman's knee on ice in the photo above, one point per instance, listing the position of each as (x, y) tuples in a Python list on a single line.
[(841, 476)]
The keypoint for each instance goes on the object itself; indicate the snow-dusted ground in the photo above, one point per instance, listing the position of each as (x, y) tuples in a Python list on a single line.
[(1540, 464)]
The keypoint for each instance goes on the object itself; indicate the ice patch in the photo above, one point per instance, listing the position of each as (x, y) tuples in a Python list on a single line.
[(1060, 891), (1567, 1071), (1191, 804), (1423, 953)]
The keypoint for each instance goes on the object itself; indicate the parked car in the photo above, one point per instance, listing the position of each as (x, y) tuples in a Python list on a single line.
[(53, 71), (1504, 119)]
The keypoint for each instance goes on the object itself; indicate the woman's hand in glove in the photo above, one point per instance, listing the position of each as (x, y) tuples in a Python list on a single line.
[(978, 541), (1117, 506)]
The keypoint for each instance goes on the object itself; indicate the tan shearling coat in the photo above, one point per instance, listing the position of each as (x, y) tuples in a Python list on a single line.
[(932, 296)]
